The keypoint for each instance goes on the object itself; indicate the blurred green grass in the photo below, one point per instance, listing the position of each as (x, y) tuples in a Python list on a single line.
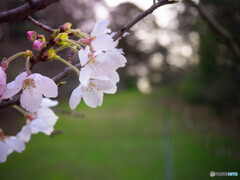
[(132, 136)]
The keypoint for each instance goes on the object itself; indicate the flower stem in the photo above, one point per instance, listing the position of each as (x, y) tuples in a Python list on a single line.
[(60, 48), (73, 48), (68, 64), (6, 62), (20, 110), (27, 66), (74, 43)]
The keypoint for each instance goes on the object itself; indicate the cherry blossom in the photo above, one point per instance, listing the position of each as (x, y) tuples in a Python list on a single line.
[(92, 94), (34, 87), (99, 39), (2, 81), (8, 145), (100, 64), (41, 121)]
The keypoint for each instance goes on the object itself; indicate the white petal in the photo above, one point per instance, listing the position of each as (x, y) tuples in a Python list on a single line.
[(39, 125), (114, 76), (46, 102), (3, 151), (15, 144), (2, 81), (108, 87), (25, 133), (117, 57), (48, 115), (83, 55), (93, 98), (103, 43), (45, 85), (85, 74), (100, 28), (31, 99), (15, 86), (76, 97)]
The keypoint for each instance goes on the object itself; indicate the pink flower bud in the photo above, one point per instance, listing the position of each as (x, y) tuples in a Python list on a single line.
[(2, 80), (32, 35), (38, 45)]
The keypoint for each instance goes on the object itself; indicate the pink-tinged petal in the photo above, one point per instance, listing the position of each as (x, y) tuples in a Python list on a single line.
[(46, 102), (48, 115), (2, 81), (85, 74), (76, 97), (100, 28), (107, 63), (83, 55), (114, 76), (15, 144), (32, 35), (31, 99), (25, 133), (117, 57), (103, 43), (108, 87), (3, 151), (15, 86), (45, 85), (39, 125), (38, 45), (93, 98)]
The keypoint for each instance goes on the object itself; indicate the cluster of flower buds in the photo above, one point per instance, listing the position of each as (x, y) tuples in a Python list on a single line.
[(99, 60)]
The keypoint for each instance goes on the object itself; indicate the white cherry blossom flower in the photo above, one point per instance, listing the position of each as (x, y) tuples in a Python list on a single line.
[(2, 80), (99, 39), (34, 87), (8, 145), (100, 64), (41, 121), (92, 94)]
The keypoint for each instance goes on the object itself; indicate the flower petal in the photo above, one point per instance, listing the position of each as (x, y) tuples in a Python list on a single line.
[(45, 85), (103, 43), (25, 133), (93, 98), (31, 99), (76, 97), (3, 151), (15, 86), (39, 125), (108, 87), (46, 102), (48, 115), (100, 28), (15, 144), (83, 55), (85, 74), (2, 81)]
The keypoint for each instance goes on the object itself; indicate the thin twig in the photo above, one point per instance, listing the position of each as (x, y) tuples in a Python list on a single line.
[(218, 28), (39, 24), (25, 10), (125, 28)]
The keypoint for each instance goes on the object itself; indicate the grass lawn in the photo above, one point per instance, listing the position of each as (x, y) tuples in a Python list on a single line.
[(132, 136)]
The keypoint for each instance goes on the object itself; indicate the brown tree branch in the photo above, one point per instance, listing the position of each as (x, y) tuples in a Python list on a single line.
[(25, 10), (125, 28), (67, 71), (217, 28), (40, 25)]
